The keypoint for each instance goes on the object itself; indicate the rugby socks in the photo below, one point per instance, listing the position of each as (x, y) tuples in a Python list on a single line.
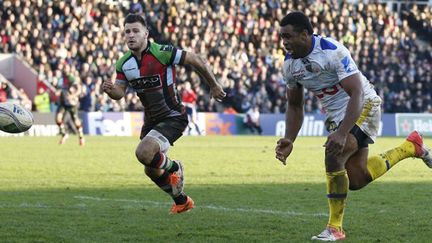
[(163, 182), (379, 164), (62, 128), (80, 131), (337, 189), (180, 199), (161, 161)]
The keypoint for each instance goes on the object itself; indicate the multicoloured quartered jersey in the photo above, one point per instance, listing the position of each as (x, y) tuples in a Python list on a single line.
[(69, 95), (321, 72), (153, 78)]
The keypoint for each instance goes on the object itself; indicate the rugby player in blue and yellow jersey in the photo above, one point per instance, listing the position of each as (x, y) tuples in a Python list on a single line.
[(325, 67), (149, 69)]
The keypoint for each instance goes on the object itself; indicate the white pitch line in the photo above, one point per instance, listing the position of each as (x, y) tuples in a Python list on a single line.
[(40, 205), (212, 207)]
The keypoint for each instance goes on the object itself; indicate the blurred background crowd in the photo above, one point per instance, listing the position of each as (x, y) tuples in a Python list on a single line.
[(79, 41)]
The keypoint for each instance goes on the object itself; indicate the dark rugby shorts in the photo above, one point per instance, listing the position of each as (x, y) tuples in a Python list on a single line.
[(171, 127)]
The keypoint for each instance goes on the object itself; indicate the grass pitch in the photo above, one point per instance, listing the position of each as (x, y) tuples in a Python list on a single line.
[(98, 193)]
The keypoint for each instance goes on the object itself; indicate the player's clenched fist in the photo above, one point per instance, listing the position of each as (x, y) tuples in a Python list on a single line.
[(107, 86), (283, 149), (217, 92)]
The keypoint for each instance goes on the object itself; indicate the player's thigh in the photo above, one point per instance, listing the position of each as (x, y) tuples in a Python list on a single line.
[(73, 111), (357, 171), (60, 112), (369, 120), (337, 162)]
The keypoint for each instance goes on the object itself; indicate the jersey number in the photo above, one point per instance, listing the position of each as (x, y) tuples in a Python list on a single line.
[(328, 91)]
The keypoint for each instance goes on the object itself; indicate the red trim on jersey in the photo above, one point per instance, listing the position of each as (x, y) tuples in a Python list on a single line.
[(121, 76), (171, 90)]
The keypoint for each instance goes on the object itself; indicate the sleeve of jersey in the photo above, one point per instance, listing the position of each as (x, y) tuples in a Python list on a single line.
[(178, 56), (344, 64), (120, 76), (290, 82)]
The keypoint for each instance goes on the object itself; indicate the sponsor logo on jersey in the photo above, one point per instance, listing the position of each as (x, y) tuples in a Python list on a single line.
[(148, 82), (298, 75), (311, 67)]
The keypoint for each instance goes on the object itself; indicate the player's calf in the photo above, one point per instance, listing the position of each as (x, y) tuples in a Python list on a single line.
[(357, 178)]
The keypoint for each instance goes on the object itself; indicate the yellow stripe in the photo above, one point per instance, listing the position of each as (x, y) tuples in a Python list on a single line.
[(366, 109)]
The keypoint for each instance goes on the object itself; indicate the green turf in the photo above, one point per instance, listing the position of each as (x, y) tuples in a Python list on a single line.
[(98, 193)]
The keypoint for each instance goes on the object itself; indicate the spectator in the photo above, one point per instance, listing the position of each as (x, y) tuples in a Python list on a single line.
[(235, 39), (3, 92), (189, 99), (252, 120), (42, 101)]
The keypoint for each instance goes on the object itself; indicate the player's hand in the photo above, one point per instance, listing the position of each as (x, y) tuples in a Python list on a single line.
[(217, 92), (283, 149), (107, 86), (335, 143)]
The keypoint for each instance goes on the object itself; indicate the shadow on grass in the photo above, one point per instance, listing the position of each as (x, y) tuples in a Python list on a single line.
[(224, 213)]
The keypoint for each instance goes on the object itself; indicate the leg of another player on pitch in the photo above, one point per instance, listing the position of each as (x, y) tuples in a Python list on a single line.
[(59, 117), (77, 122), (158, 167), (337, 182)]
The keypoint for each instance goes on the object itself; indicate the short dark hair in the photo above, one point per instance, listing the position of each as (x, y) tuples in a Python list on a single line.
[(299, 21), (133, 18)]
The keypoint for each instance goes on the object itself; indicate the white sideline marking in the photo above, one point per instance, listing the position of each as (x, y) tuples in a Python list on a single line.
[(40, 205), (212, 207)]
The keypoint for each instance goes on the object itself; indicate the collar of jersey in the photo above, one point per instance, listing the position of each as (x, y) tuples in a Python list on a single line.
[(313, 45), (147, 48), (144, 51)]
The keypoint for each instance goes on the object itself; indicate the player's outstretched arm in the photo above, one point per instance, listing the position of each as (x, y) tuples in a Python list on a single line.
[(293, 122), (204, 70), (114, 90)]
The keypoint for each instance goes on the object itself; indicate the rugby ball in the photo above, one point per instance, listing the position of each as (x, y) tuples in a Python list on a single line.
[(14, 118)]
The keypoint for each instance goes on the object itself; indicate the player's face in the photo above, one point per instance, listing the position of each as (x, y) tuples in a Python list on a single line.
[(136, 36), (295, 43)]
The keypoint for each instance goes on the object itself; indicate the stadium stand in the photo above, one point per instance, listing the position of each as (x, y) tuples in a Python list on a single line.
[(83, 39)]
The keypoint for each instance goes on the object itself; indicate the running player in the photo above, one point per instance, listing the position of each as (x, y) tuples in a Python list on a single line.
[(68, 89), (325, 67), (149, 69)]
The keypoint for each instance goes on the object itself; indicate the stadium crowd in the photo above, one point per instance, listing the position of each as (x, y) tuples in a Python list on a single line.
[(80, 41)]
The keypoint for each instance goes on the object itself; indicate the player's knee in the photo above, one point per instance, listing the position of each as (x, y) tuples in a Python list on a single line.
[(144, 154), (77, 121), (59, 120), (141, 156), (334, 163)]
